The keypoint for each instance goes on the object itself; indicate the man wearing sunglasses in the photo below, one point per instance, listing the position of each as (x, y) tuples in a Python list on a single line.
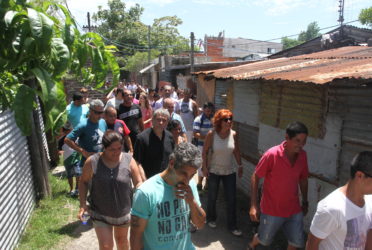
[(343, 219), (86, 138)]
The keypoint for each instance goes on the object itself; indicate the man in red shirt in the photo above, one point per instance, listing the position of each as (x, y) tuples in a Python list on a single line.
[(284, 169), (119, 126)]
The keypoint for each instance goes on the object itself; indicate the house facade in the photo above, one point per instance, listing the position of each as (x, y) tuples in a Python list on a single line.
[(329, 91)]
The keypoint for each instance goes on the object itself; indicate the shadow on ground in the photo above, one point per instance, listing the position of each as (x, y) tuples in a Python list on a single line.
[(74, 229), (221, 237)]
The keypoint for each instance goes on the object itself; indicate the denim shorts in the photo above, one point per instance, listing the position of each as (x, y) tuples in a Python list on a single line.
[(74, 170), (292, 227)]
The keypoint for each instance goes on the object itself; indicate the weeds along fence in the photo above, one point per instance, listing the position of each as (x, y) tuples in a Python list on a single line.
[(24, 164)]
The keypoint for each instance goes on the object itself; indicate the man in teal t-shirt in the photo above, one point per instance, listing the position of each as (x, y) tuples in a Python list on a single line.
[(89, 132), (164, 204), (77, 111)]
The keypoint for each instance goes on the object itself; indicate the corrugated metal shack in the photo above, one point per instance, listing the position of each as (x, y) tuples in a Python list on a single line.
[(330, 91)]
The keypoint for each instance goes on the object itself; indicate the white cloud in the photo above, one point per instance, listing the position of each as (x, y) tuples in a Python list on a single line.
[(161, 2), (282, 7)]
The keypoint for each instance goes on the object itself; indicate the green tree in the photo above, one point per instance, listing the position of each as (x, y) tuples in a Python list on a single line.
[(122, 26), (139, 60), (36, 51), (365, 16), (289, 42), (311, 32)]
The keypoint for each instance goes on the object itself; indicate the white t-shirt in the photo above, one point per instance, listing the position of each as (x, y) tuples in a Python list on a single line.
[(113, 102), (342, 224)]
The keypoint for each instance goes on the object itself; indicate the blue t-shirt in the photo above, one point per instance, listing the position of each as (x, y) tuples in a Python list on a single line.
[(202, 125), (90, 134), (76, 114), (168, 218)]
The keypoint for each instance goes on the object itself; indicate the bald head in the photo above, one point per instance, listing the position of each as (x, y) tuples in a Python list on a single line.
[(110, 115), (168, 104)]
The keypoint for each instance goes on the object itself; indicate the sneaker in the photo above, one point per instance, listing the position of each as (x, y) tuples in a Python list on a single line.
[(75, 193), (237, 232), (212, 224)]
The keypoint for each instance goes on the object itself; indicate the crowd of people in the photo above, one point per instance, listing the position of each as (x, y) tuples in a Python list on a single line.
[(135, 153)]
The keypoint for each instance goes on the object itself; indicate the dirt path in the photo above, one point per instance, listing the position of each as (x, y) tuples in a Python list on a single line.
[(206, 238), (84, 237)]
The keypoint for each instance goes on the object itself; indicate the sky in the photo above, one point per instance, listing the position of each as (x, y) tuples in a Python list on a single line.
[(252, 19)]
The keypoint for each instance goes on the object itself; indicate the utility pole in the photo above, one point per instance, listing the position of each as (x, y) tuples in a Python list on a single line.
[(192, 53), (341, 12), (148, 42), (89, 27)]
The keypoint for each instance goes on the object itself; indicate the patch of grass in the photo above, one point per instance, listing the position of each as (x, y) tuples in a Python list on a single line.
[(53, 220)]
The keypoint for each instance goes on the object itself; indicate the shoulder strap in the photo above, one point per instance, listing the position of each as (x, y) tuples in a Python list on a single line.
[(94, 161)]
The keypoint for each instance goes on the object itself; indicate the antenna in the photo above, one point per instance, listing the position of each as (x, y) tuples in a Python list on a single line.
[(341, 11)]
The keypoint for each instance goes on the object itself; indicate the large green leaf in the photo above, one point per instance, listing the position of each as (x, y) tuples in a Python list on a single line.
[(69, 34), (60, 56), (41, 29), (47, 86), (113, 65), (23, 106)]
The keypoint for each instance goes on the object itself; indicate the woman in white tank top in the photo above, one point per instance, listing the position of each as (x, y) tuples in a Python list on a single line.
[(222, 145)]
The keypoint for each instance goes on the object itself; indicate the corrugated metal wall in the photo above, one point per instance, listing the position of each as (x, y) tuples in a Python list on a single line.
[(224, 94), (354, 105), (285, 103), (42, 128), (246, 114), (16, 182)]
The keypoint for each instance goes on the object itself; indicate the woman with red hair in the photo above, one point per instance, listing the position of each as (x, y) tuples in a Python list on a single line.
[(222, 144)]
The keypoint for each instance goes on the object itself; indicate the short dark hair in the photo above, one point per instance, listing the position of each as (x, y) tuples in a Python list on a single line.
[(173, 124), (111, 136), (361, 162), (208, 105), (76, 96), (120, 90), (295, 128)]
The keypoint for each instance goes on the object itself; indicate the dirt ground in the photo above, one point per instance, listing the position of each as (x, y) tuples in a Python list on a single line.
[(84, 236)]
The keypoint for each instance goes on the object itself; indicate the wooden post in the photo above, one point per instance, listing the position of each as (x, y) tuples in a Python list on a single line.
[(39, 161)]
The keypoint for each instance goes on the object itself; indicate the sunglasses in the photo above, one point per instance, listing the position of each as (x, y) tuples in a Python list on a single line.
[(97, 112), (227, 119)]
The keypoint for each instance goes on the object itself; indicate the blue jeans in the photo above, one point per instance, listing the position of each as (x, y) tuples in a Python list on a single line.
[(292, 227), (229, 184)]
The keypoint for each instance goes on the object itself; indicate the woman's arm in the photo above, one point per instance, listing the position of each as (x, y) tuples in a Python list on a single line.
[(207, 145), (237, 155), (83, 186)]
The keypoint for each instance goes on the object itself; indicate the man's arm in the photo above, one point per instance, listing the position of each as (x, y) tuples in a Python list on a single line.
[(313, 242), (195, 109), (254, 212), (304, 188), (77, 148), (128, 142), (137, 227), (197, 213)]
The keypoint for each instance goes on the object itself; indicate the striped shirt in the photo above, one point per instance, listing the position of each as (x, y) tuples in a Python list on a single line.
[(202, 125)]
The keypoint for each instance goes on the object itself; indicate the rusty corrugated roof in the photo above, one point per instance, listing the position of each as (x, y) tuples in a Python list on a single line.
[(321, 67)]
